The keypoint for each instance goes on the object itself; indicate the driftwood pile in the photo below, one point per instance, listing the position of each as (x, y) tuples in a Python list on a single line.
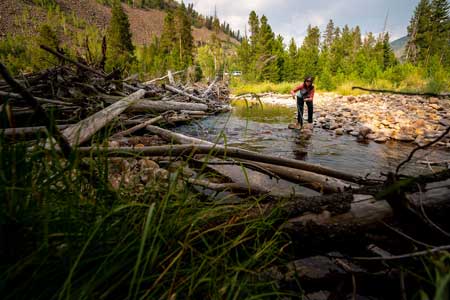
[(72, 103)]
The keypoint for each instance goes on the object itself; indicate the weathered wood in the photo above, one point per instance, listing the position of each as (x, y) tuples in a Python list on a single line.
[(161, 78), (222, 151), (137, 127), (369, 212), (170, 76), (232, 186), (41, 100), (176, 138), (400, 93), (312, 180), (255, 180), (26, 131), (163, 106), (85, 129), (183, 93), (210, 87), (40, 112)]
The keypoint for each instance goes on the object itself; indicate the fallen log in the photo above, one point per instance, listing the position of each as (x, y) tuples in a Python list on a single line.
[(85, 129), (233, 187), (210, 87), (137, 127), (161, 78), (40, 112), (400, 93), (312, 180), (367, 212), (163, 106), (176, 138), (28, 131), (41, 100), (218, 150), (183, 93)]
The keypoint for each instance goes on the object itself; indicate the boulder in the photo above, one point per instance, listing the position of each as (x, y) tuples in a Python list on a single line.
[(364, 131), (419, 123), (436, 107), (402, 137), (433, 100), (339, 131), (444, 122), (381, 139)]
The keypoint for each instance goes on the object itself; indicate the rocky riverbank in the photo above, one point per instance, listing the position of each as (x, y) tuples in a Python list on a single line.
[(380, 117)]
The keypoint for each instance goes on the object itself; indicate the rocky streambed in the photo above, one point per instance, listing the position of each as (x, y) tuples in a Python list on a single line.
[(383, 117)]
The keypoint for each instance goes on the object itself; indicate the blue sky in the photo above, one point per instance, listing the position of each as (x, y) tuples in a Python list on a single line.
[(290, 18)]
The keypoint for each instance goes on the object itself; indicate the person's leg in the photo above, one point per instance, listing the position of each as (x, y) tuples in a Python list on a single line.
[(300, 104), (310, 111)]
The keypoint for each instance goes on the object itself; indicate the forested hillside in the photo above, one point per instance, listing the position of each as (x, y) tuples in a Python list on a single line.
[(78, 27)]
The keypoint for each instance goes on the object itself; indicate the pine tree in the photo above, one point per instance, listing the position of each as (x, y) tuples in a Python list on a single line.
[(253, 22), (309, 52), (291, 67), (168, 44), (419, 32), (266, 63), (245, 59), (440, 44), (281, 59), (184, 36), (120, 47), (329, 35), (389, 59)]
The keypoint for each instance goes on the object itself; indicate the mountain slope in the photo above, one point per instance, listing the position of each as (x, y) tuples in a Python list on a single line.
[(399, 46), (145, 23)]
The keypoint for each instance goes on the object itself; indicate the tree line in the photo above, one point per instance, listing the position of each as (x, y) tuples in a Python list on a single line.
[(341, 54)]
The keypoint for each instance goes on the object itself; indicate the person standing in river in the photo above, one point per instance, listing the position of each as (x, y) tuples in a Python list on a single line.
[(304, 94)]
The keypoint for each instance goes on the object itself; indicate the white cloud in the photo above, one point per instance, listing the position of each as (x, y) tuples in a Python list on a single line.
[(290, 18)]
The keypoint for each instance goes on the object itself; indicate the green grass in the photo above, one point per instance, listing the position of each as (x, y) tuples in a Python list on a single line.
[(266, 113), (240, 88), (71, 239)]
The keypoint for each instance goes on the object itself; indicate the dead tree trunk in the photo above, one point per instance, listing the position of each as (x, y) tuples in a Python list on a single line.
[(85, 129)]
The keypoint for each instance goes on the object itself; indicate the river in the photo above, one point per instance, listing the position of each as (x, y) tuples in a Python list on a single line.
[(266, 131)]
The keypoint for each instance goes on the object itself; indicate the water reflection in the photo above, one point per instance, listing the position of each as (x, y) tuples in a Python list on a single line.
[(264, 129)]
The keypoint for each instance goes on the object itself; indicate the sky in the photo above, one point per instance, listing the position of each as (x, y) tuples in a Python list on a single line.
[(290, 18)]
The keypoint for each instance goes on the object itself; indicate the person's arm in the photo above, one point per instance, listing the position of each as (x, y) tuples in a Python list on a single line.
[(295, 90)]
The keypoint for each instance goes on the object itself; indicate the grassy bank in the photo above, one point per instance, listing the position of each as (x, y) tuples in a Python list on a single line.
[(66, 236), (413, 82)]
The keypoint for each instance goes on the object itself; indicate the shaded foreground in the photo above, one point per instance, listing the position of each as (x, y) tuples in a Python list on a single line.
[(169, 221)]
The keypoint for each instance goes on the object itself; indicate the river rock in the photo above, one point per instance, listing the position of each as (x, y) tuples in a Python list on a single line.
[(371, 136), (333, 125), (339, 131), (444, 122), (402, 137), (436, 107), (364, 131), (354, 133), (433, 100), (419, 123), (381, 139)]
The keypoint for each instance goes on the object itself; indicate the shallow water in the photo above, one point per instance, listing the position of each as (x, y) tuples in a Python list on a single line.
[(266, 131)]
